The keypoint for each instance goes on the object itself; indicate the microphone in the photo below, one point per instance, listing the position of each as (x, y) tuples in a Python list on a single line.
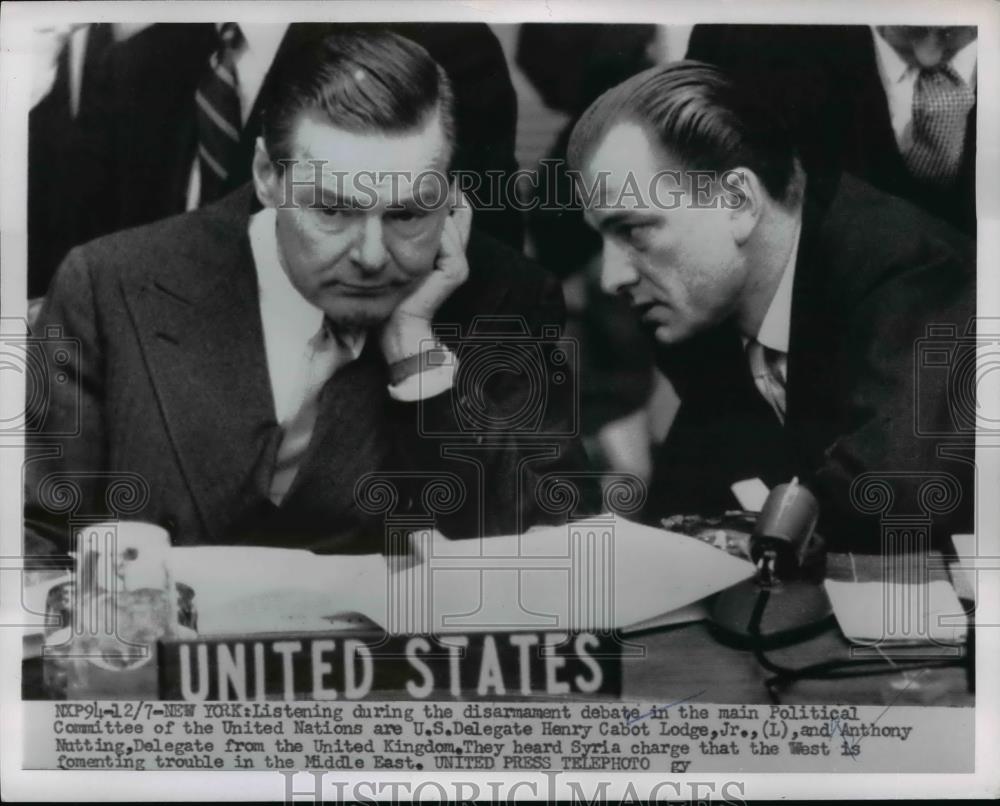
[(782, 535), (788, 554)]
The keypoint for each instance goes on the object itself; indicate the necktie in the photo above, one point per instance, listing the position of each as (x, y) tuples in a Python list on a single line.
[(325, 353), (941, 105), (218, 113), (768, 375)]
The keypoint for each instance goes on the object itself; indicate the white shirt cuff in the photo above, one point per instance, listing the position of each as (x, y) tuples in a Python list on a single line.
[(422, 385)]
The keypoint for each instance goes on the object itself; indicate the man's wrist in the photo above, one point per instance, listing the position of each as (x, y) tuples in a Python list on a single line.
[(433, 357), (401, 343)]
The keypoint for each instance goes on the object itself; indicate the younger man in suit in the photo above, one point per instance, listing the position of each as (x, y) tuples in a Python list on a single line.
[(293, 375), (788, 320)]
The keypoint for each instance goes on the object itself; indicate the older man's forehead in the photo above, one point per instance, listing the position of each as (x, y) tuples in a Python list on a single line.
[(324, 153)]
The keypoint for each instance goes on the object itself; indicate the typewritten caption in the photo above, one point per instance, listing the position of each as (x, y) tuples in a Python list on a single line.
[(677, 738)]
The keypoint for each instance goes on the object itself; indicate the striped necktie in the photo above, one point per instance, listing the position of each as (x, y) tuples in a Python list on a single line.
[(324, 354), (768, 375), (218, 111), (941, 105)]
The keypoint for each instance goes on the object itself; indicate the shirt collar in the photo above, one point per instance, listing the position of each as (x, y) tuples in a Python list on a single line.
[(964, 63), (894, 68), (262, 39), (774, 330), (277, 294)]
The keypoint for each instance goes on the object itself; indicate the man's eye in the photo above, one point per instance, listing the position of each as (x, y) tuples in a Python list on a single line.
[(632, 232), (404, 215), (332, 210)]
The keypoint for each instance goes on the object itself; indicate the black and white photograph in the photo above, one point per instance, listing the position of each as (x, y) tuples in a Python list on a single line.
[(542, 400)]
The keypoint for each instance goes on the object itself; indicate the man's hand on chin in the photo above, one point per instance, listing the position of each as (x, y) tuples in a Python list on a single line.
[(407, 333)]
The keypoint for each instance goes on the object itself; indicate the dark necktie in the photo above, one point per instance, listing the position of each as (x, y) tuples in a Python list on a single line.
[(941, 105), (219, 122)]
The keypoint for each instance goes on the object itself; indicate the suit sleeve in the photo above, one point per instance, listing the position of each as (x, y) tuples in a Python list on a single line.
[(509, 421), (65, 449), (898, 417)]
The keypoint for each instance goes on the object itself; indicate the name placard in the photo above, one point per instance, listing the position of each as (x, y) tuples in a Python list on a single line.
[(353, 666)]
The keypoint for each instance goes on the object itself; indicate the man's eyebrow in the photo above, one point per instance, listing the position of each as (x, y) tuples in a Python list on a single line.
[(330, 198), (618, 218)]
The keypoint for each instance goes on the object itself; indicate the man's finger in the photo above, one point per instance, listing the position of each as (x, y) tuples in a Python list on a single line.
[(463, 218), (452, 262)]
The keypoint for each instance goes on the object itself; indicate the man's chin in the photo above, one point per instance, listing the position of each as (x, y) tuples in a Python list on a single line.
[(668, 333), (358, 317)]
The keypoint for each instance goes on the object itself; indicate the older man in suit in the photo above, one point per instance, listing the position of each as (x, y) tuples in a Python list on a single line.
[(176, 109), (249, 371), (788, 317)]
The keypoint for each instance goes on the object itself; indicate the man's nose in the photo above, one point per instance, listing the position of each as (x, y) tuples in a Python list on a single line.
[(369, 251), (616, 269)]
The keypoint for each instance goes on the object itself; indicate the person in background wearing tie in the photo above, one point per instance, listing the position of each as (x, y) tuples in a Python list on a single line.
[(788, 321), (173, 113), (894, 105), (245, 371)]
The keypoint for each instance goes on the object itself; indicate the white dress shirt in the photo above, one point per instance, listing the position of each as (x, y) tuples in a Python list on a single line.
[(252, 61), (289, 323), (899, 80), (775, 331)]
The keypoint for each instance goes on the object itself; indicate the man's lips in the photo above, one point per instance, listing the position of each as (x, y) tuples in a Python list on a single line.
[(643, 309), (366, 290)]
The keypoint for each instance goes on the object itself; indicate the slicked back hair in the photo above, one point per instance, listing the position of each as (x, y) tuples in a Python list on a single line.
[(363, 81), (699, 115)]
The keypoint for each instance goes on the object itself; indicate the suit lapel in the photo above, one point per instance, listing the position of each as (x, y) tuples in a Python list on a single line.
[(814, 339), (198, 323), (874, 150)]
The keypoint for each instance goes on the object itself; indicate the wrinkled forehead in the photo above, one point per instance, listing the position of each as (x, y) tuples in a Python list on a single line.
[(357, 166)]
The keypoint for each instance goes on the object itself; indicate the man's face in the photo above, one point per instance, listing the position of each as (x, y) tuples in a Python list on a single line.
[(359, 216), (928, 46), (668, 249)]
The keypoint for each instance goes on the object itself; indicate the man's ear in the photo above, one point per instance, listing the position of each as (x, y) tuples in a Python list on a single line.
[(266, 179), (743, 196)]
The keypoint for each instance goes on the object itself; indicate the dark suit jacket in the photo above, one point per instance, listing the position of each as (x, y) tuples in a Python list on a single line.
[(825, 79), (872, 274), (54, 170), (167, 376), (136, 143)]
